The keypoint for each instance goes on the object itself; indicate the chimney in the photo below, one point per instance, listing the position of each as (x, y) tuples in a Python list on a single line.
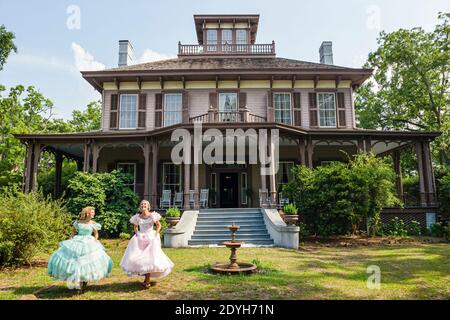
[(326, 52), (125, 53)]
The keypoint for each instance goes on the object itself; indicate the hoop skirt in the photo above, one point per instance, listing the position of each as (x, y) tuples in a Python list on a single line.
[(82, 258), (144, 254)]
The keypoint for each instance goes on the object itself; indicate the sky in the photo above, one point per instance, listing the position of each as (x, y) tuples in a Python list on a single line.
[(58, 39)]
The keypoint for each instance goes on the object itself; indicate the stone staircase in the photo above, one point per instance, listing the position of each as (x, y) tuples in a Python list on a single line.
[(211, 227)]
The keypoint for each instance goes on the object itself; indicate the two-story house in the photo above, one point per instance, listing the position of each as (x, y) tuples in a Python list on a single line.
[(227, 81)]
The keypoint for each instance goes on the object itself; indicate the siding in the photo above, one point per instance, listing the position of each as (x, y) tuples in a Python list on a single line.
[(257, 101), (198, 102)]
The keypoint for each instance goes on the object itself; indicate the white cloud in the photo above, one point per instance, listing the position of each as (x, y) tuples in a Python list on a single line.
[(150, 56), (83, 60), (39, 61)]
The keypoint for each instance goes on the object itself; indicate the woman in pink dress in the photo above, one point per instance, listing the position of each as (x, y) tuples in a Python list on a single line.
[(144, 255)]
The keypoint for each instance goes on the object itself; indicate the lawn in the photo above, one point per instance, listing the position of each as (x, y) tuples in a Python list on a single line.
[(408, 271)]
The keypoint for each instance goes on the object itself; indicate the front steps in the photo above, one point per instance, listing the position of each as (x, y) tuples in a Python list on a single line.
[(211, 227)]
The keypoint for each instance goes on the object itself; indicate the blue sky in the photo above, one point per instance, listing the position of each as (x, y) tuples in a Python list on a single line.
[(51, 54)]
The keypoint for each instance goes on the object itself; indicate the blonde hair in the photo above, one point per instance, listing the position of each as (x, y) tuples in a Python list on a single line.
[(84, 213), (144, 201)]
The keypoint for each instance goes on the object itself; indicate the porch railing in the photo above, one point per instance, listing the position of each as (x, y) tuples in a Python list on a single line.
[(232, 116), (418, 200), (221, 49)]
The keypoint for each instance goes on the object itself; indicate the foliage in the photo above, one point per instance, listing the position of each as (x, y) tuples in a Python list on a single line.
[(124, 236), (304, 232), (396, 228), (443, 191), (410, 87), (338, 198), (164, 225), (46, 178), (81, 121), (440, 229), (414, 228), (108, 193), (6, 45), (290, 209), (173, 213), (30, 224)]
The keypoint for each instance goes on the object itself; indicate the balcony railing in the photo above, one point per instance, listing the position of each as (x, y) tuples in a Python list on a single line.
[(234, 116), (231, 49)]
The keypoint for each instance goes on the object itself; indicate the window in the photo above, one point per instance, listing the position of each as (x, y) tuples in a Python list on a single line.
[(128, 111), (227, 106), (211, 40), (284, 175), (172, 108), (282, 105), (227, 40), (327, 110), (171, 177), (213, 188), (128, 168), (244, 188), (241, 39)]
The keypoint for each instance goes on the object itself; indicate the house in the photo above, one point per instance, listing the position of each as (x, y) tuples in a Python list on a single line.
[(228, 81)]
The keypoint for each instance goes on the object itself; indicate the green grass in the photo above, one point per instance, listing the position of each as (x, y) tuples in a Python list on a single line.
[(408, 271)]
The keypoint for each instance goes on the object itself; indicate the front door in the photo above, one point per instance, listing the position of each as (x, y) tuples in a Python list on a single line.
[(228, 190)]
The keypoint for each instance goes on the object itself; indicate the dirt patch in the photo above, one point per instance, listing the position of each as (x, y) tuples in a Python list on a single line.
[(37, 263), (358, 241)]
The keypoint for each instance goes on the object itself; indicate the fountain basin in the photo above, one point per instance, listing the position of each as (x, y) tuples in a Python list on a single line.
[(224, 268)]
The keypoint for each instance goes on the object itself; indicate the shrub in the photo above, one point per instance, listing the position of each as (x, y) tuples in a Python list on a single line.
[(290, 209), (304, 232), (397, 228), (46, 179), (337, 198), (173, 213), (440, 229), (164, 225), (109, 193), (124, 236), (443, 191), (30, 224), (414, 229)]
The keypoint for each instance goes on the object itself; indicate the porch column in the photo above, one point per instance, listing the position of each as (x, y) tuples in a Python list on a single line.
[(87, 157), (187, 185), (146, 169), (398, 174), (58, 174), (36, 157), (310, 149), (361, 147), (419, 151), (429, 174), (368, 145), (263, 189), (302, 150), (272, 176), (196, 186), (95, 155), (28, 167), (155, 151)]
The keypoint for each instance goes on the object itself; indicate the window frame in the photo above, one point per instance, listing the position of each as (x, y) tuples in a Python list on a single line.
[(244, 187), (136, 111), (212, 47), (164, 108), (290, 107), (277, 175), (225, 93), (134, 164), (180, 185), (334, 109)]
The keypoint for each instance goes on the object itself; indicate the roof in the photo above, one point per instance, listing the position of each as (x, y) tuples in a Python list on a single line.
[(228, 63)]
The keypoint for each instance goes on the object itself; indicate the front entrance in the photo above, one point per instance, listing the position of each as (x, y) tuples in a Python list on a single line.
[(228, 190)]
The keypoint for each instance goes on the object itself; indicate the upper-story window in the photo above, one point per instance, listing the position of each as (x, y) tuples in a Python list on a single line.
[(211, 40), (327, 109), (173, 103), (282, 106), (128, 111), (241, 39), (227, 39), (228, 106)]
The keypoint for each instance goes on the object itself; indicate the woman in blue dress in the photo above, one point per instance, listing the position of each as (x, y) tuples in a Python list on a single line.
[(82, 258)]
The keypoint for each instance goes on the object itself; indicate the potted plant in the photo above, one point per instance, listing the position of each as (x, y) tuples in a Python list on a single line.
[(290, 214), (173, 216)]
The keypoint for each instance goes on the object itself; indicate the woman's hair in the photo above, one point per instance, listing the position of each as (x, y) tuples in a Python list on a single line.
[(144, 201), (84, 213)]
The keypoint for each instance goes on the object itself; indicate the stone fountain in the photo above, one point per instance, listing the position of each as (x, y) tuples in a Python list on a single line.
[(234, 266)]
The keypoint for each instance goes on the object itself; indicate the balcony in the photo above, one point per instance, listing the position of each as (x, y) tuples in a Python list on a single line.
[(224, 117), (227, 49)]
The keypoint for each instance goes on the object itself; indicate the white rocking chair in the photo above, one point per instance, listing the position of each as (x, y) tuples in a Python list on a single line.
[(204, 196), (178, 200)]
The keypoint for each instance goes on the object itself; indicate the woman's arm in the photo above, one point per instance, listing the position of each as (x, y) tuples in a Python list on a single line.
[(74, 232), (136, 228), (158, 227), (95, 234)]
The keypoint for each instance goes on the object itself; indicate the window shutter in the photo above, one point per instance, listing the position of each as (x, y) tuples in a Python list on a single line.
[(142, 112), (158, 110), (213, 100), (242, 99), (270, 110), (185, 108), (297, 109), (341, 110), (313, 121), (114, 112)]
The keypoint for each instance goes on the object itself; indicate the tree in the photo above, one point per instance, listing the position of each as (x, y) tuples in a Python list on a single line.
[(6, 45), (410, 89)]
